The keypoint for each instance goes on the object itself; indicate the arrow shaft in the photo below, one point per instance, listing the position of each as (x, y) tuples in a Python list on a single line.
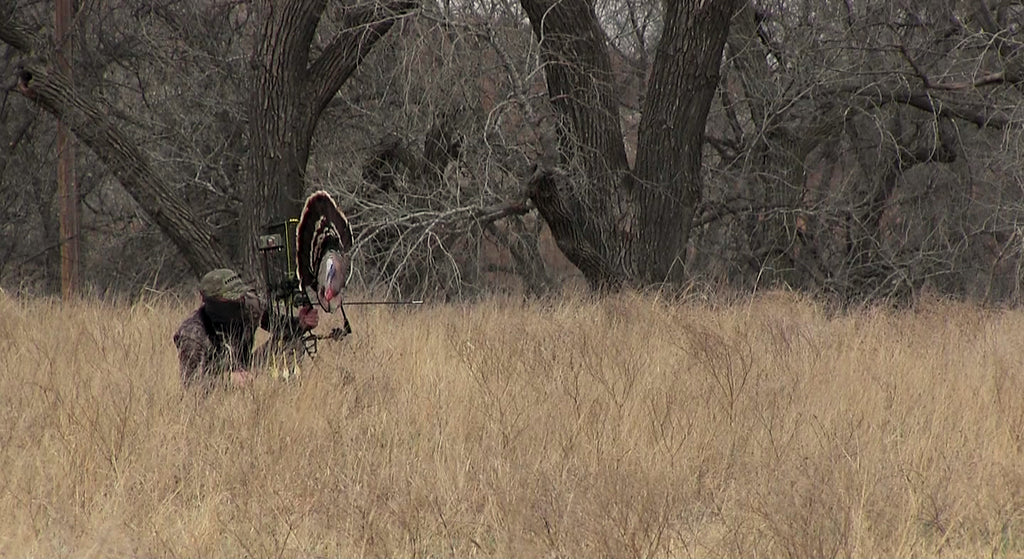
[(383, 302)]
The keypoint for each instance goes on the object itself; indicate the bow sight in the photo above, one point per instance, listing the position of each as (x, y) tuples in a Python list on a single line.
[(277, 247)]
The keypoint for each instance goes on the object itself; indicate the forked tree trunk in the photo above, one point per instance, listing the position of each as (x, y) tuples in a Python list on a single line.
[(620, 225), (290, 90)]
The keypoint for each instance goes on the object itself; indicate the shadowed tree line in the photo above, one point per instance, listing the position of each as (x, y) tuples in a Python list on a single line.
[(861, 151)]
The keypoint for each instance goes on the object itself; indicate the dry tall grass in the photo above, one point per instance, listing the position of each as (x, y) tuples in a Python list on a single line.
[(614, 427)]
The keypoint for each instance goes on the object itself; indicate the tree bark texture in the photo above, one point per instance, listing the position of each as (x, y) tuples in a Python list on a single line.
[(289, 93), (620, 225), (126, 161), (680, 88), (586, 208)]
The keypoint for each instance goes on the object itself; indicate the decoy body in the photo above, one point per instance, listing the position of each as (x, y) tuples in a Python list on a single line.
[(323, 251)]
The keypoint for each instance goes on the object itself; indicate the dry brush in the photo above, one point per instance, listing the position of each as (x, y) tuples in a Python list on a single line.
[(625, 425)]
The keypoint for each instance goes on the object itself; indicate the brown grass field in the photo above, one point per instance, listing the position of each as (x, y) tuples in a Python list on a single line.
[(619, 426)]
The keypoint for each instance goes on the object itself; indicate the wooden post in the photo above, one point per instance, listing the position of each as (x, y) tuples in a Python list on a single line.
[(67, 186)]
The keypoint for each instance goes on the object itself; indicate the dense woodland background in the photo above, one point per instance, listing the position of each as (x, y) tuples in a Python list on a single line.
[(858, 150)]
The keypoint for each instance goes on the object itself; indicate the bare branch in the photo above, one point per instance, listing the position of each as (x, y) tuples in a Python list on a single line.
[(17, 34), (980, 116), (994, 78), (364, 27), (125, 160)]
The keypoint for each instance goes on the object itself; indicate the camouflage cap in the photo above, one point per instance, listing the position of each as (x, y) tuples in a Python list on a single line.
[(222, 283)]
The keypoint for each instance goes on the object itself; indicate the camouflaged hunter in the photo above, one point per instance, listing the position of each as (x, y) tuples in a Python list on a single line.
[(218, 337)]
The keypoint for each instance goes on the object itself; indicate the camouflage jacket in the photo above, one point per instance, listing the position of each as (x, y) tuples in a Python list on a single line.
[(207, 349)]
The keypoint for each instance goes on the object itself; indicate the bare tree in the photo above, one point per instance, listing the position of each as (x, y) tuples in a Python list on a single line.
[(863, 150), (849, 144), (293, 85), (292, 75), (621, 224), (431, 151)]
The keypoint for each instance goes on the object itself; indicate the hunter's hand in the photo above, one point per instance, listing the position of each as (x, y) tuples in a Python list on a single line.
[(308, 318)]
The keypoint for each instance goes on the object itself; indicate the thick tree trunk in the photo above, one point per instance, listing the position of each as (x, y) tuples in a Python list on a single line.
[(587, 208), (279, 130), (290, 91), (615, 224), (668, 162)]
